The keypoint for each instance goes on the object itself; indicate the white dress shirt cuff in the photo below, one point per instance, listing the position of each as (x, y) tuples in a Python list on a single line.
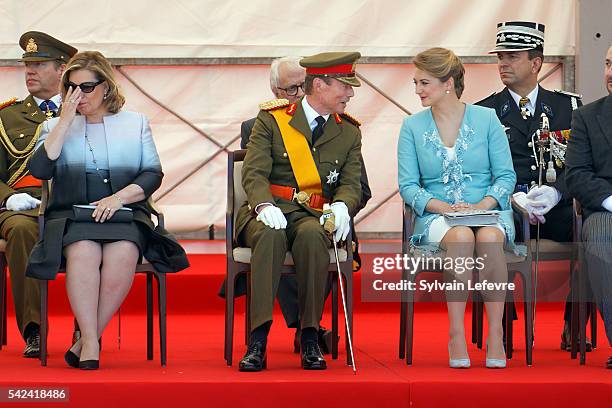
[(607, 204)]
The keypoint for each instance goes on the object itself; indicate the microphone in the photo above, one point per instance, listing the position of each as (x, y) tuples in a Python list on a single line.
[(330, 219)]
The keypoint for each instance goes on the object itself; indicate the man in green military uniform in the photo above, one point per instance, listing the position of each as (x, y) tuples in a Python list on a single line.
[(300, 156), (45, 58)]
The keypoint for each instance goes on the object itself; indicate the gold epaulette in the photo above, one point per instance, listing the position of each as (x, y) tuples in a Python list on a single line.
[(350, 119), (274, 104), (7, 103)]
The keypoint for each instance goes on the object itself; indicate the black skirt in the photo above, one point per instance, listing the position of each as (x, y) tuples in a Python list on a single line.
[(102, 232)]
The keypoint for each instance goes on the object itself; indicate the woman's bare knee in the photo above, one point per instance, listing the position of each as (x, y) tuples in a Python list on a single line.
[(83, 252), (489, 235)]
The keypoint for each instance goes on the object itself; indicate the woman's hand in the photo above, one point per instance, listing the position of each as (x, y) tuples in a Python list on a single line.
[(105, 208), (462, 207), (70, 103)]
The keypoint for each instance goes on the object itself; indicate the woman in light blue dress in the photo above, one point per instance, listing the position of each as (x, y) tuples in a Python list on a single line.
[(455, 157)]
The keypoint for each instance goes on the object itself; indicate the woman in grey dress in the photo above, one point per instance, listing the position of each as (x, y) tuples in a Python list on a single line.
[(102, 156)]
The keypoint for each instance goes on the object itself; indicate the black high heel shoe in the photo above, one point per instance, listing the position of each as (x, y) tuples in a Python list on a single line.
[(71, 359), (89, 364)]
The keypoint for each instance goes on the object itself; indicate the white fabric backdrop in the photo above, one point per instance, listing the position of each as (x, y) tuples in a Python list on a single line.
[(216, 98), (265, 28)]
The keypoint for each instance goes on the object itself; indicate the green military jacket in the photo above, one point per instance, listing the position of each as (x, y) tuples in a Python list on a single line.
[(336, 153), (18, 136)]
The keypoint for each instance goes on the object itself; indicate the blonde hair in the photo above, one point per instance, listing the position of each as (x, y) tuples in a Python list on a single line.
[(95, 62), (442, 64)]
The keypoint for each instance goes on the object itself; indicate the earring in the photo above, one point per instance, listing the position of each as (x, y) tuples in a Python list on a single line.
[(447, 91), (105, 95)]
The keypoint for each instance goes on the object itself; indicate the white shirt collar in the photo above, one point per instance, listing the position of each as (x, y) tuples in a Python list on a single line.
[(311, 114), (533, 97), (57, 100)]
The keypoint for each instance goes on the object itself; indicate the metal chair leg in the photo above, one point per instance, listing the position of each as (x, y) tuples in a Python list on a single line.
[(229, 316), (161, 304), (334, 296), (44, 321), (150, 316)]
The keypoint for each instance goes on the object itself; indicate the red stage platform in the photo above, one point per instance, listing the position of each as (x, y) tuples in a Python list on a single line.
[(196, 374)]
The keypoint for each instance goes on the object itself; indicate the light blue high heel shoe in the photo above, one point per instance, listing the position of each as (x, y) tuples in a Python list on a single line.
[(458, 362), (494, 362)]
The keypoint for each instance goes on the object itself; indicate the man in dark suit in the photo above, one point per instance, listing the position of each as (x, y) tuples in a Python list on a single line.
[(287, 82), (300, 157), (519, 49), (589, 180), (45, 59)]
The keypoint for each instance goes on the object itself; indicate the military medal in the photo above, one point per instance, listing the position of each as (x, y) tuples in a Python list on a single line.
[(332, 177)]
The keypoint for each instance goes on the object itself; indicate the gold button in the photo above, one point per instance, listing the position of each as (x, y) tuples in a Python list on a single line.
[(284, 154), (336, 161), (530, 144), (29, 104), (21, 135), (533, 167), (314, 149)]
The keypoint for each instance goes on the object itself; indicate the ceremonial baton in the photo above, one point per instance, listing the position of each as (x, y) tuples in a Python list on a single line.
[(328, 226)]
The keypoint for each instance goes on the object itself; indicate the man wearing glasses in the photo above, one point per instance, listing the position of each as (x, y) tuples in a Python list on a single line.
[(45, 59), (300, 156)]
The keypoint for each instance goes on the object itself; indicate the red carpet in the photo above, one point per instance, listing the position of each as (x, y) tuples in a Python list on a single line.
[(196, 374)]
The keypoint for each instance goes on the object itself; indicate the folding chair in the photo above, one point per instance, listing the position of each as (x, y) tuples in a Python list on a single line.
[(516, 265), (145, 267), (238, 262), (580, 297)]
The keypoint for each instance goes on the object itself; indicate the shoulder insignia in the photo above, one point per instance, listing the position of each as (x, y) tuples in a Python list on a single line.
[(7, 103), (274, 104), (291, 109), (547, 110), (350, 119), (566, 93), (486, 99)]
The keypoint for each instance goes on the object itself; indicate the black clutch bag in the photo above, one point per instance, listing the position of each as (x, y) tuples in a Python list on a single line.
[(82, 213)]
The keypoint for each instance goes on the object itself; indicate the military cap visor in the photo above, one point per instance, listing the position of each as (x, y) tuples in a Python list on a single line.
[(337, 65), (40, 47)]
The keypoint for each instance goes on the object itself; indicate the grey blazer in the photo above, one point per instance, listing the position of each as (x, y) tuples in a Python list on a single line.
[(132, 158)]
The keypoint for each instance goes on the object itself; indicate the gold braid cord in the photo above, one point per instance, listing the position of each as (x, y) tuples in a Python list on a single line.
[(12, 150), (18, 154)]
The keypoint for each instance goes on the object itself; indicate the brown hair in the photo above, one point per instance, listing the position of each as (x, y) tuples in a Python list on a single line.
[(95, 62), (442, 64)]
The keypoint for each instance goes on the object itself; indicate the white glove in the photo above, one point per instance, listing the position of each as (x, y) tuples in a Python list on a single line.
[(342, 220), (522, 200), (21, 202), (543, 199), (273, 217)]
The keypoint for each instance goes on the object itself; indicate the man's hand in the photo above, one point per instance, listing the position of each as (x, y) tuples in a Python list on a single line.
[(273, 217), (522, 200), (543, 199), (21, 202), (342, 219)]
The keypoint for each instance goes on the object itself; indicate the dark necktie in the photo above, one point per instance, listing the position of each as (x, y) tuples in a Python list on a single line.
[(318, 130), (48, 107)]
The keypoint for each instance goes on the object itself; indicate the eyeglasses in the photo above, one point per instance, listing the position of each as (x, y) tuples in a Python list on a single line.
[(293, 89), (86, 87)]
